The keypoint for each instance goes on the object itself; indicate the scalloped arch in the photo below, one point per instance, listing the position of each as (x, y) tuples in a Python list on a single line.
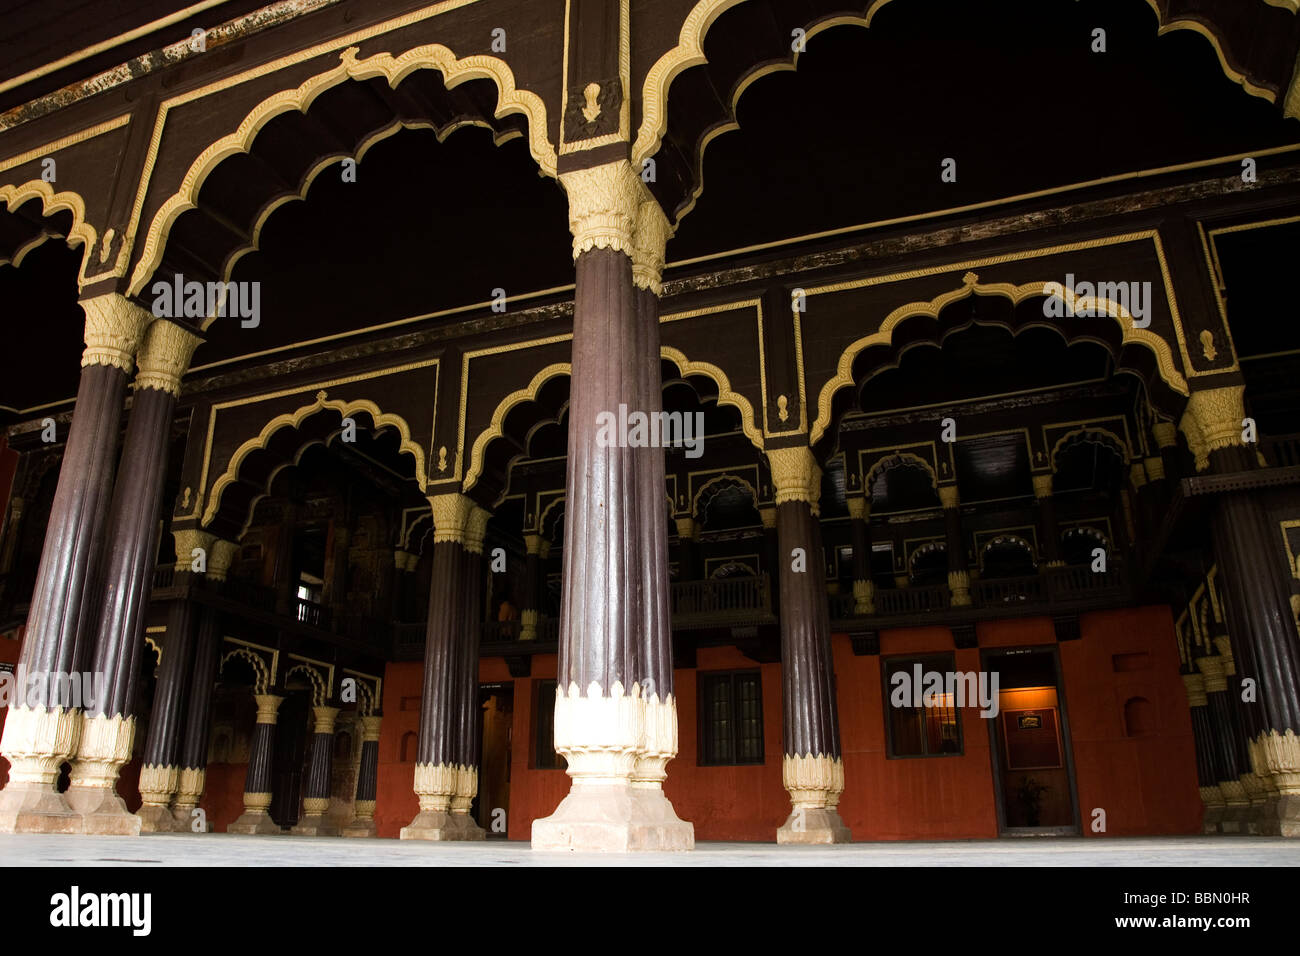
[(689, 52), (319, 694), (293, 420), (1165, 363), (260, 667), (434, 56), (1121, 446), (718, 479), (889, 460), (52, 202)]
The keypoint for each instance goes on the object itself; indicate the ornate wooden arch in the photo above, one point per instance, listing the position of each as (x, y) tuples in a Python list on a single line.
[(82, 232), (318, 681), (1166, 365), (261, 670), (715, 480), (893, 460), (511, 100), (1108, 438)]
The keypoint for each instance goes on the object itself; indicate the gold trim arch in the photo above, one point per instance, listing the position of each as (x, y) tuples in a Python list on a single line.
[(1121, 446), (869, 478), (434, 56), (51, 202), (263, 671), (293, 420), (1165, 363), (716, 479)]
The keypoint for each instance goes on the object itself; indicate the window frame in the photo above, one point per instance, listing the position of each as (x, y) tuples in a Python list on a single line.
[(945, 661), (703, 680), (544, 756)]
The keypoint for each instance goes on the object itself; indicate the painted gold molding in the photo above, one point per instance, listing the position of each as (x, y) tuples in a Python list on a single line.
[(1213, 420), (1087, 428), (718, 479), (604, 203), (1137, 475), (114, 327), (496, 426), (454, 71), (795, 475), (51, 202), (164, 356), (451, 515)]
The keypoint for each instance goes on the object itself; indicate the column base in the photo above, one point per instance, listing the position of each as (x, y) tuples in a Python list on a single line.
[(1288, 815), (813, 826), (433, 825), (314, 824), (1235, 819), (613, 819), (1211, 818), (184, 818), (36, 808), (156, 819), (255, 823), (360, 828), (466, 827), (102, 812)]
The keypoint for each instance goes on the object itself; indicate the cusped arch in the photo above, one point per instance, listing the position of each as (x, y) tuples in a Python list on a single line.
[(82, 232), (719, 481), (261, 671), (293, 420), (1094, 433), (1166, 364), (899, 459), (454, 70), (319, 691), (689, 52)]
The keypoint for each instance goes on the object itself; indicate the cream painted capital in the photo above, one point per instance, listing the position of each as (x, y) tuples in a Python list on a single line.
[(949, 497), (187, 539), (476, 529), (324, 719), (451, 515), (1155, 468), (1216, 679), (648, 244), (268, 705), (1137, 474), (165, 356), (221, 557), (859, 508), (795, 474), (1042, 485), (37, 742), (1165, 434), (533, 543), (768, 516), (1213, 420), (685, 528), (604, 202), (114, 328), (1224, 645), (370, 725), (1195, 685)]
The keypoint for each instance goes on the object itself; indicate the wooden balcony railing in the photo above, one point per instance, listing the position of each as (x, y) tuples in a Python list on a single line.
[(720, 601), (313, 614), (920, 600)]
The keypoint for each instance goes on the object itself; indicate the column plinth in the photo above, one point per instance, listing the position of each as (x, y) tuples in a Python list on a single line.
[(363, 819), (256, 820)]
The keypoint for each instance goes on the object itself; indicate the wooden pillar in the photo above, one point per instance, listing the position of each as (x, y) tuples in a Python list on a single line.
[(108, 724), (811, 766), (1202, 735), (320, 775), (257, 784), (1257, 601), (1228, 762), (435, 769), (44, 729), (1049, 531), (530, 601), (363, 820), (600, 709), (958, 575), (468, 743), (688, 568), (198, 728), (864, 588), (1257, 782), (160, 774)]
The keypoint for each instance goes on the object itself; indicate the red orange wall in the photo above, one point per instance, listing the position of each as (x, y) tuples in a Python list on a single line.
[(1146, 784), (8, 655)]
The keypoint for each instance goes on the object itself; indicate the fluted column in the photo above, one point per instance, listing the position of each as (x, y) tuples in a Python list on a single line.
[(531, 601), (812, 768), (160, 775), (1236, 811), (600, 709), (1202, 735), (43, 729), (1049, 532), (864, 589), (958, 575), (1257, 600), (198, 713), (468, 743), (320, 774), (363, 819), (108, 725), (688, 568), (257, 784), (435, 768), (1259, 786)]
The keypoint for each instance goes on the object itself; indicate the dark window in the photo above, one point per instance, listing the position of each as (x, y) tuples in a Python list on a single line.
[(545, 756), (934, 728), (731, 718)]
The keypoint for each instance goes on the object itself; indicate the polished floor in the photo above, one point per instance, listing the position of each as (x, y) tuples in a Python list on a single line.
[(220, 849)]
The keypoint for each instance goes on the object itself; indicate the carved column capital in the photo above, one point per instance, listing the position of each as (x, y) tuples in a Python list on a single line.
[(451, 515), (114, 328), (1213, 420), (1155, 469), (648, 246), (604, 202), (221, 557), (1195, 685), (1165, 434), (1137, 474), (685, 528), (268, 706), (187, 539), (324, 718), (165, 356), (768, 517), (859, 508), (370, 725), (533, 543), (476, 529), (949, 497), (795, 475), (1042, 485)]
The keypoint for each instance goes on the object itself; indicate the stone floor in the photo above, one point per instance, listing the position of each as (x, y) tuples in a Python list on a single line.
[(228, 850)]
